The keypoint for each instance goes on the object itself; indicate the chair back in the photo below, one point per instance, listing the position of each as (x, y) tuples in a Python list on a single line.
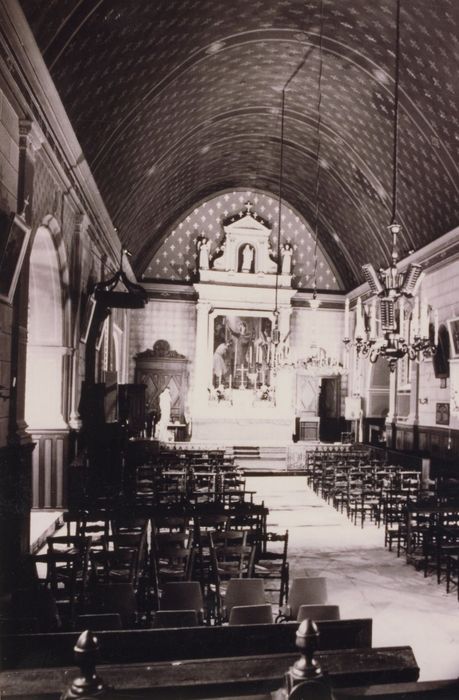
[(182, 595), (244, 591), (176, 618), (251, 614), (307, 591), (118, 598), (318, 612)]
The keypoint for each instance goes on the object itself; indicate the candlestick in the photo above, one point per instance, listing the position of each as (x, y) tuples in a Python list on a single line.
[(402, 319), (424, 319), (359, 323), (373, 320), (346, 318), (415, 318)]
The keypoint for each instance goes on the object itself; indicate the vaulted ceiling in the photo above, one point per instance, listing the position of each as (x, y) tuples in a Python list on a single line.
[(174, 101)]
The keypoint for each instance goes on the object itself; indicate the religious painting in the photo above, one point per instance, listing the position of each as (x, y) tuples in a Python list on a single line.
[(453, 327), (14, 237), (242, 347), (442, 414)]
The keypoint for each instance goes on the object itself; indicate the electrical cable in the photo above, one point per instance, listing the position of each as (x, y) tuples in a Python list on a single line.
[(395, 125)]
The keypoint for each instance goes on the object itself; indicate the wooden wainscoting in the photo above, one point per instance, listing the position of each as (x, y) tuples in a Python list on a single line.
[(439, 443), (49, 469)]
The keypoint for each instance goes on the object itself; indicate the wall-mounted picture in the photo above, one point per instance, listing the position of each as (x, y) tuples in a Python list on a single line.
[(14, 237), (453, 328), (442, 414)]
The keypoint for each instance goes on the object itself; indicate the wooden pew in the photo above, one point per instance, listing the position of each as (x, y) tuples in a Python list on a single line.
[(423, 690), (137, 646), (217, 678)]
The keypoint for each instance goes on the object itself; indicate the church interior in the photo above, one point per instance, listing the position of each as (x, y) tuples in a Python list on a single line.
[(229, 349)]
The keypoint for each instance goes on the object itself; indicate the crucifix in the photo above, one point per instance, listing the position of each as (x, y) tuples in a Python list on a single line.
[(242, 385)]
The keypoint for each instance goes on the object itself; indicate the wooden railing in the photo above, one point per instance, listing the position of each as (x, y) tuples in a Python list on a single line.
[(316, 674)]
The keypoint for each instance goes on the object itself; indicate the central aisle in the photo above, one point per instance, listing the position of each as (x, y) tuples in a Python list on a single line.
[(363, 577)]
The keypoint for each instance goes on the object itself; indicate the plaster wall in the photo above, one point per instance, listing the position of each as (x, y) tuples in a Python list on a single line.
[(174, 321), (441, 287)]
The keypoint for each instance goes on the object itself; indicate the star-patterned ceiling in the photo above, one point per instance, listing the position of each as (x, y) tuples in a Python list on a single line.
[(176, 101), (176, 259)]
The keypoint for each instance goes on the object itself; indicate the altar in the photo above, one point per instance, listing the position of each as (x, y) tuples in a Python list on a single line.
[(242, 393)]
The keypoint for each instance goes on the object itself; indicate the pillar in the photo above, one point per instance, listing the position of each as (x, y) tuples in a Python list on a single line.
[(16, 458), (202, 372)]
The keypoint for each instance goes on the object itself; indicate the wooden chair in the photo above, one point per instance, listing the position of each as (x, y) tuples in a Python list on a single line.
[(67, 576), (183, 595), (239, 591), (304, 591), (272, 565), (118, 598), (172, 560)]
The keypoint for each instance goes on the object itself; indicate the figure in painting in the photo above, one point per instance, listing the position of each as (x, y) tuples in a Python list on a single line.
[(263, 349), (286, 254), (203, 248), (219, 366), (247, 258), (242, 344)]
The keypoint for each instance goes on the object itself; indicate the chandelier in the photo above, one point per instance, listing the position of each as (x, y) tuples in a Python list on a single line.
[(399, 335)]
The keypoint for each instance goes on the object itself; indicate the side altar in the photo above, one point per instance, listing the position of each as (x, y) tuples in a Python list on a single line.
[(242, 391)]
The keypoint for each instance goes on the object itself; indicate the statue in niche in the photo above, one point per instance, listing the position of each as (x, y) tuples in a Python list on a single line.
[(247, 258), (203, 248), (286, 255)]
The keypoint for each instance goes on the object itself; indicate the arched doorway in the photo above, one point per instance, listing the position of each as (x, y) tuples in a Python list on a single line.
[(46, 391)]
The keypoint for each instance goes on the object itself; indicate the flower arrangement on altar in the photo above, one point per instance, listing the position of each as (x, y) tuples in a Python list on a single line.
[(265, 393), (219, 393)]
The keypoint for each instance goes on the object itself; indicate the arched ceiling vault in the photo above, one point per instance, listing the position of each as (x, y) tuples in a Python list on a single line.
[(174, 101)]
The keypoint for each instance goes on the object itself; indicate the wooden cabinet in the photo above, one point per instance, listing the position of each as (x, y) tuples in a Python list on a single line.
[(159, 368)]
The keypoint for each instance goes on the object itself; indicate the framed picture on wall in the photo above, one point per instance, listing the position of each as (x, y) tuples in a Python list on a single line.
[(442, 413), (14, 237), (453, 328)]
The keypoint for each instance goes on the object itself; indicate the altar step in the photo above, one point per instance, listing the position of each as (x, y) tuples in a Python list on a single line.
[(246, 452)]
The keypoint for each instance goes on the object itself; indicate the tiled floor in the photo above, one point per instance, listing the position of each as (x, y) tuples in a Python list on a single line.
[(363, 578)]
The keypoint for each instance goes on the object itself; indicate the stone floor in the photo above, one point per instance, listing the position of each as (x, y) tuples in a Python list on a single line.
[(363, 577)]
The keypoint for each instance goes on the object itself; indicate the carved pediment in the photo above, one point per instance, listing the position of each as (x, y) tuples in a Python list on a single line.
[(246, 247)]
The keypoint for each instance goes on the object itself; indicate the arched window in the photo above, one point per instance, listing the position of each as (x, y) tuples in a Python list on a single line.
[(45, 345)]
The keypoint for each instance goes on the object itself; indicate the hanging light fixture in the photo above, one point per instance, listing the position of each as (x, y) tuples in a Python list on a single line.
[(397, 337)]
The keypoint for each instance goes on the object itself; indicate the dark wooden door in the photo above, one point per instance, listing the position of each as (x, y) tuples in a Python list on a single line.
[(329, 409)]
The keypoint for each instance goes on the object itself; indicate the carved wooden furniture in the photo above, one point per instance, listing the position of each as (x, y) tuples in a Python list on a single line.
[(159, 368)]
